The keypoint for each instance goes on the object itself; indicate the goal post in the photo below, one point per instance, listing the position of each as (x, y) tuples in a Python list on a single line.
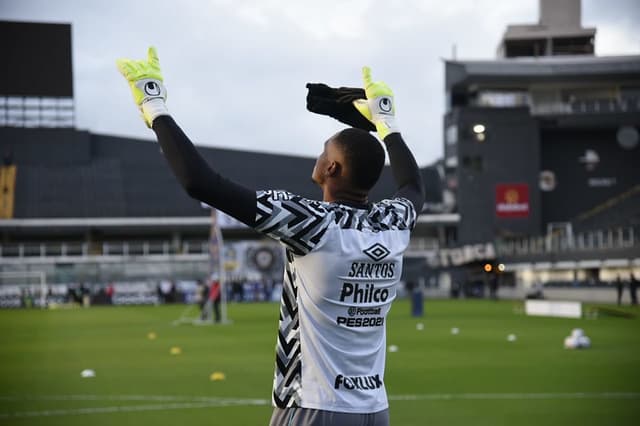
[(23, 289)]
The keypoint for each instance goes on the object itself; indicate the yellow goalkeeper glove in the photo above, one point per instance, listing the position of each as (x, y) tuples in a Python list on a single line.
[(146, 85), (378, 107)]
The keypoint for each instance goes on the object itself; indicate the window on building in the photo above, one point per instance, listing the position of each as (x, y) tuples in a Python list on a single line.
[(31, 111), (473, 163), (451, 235), (529, 48), (573, 46), (503, 98), (451, 135)]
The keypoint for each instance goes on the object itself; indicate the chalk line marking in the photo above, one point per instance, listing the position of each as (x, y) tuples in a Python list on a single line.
[(169, 402), (523, 396)]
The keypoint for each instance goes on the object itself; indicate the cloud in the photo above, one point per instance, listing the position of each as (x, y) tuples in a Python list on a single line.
[(616, 24), (235, 70), (613, 40)]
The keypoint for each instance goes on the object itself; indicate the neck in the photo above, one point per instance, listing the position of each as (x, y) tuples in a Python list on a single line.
[(332, 195)]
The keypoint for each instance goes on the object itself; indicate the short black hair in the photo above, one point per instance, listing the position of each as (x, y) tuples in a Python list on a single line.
[(364, 155)]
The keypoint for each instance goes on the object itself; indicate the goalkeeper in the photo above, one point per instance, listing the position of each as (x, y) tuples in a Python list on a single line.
[(343, 254)]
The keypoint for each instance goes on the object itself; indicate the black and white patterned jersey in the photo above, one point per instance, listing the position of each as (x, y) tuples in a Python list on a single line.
[(342, 268)]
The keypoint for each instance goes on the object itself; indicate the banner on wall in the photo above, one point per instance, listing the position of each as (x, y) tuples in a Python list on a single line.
[(512, 200), (457, 256)]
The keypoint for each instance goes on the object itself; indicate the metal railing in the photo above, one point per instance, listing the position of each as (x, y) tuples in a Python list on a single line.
[(587, 106), (421, 244), (120, 248), (621, 238)]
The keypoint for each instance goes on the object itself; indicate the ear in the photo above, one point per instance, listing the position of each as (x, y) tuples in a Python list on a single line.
[(334, 169)]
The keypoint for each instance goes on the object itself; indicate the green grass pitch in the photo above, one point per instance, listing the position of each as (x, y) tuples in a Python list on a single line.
[(476, 377)]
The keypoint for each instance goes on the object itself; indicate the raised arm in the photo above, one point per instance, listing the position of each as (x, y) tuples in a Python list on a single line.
[(198, 179), (379, 108), (405, 171)]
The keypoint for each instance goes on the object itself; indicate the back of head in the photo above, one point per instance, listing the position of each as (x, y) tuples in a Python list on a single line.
[(364, 156)]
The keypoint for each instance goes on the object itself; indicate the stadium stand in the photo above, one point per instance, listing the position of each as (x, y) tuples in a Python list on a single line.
[(539, 175)]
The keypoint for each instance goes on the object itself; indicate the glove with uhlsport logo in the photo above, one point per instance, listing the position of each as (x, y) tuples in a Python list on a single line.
[(378, 107), (146, 85)]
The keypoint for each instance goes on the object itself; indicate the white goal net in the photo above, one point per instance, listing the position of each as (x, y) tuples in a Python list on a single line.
[(23, 289)]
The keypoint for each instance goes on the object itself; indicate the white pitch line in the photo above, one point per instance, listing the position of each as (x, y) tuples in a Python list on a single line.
[(210, 402), (125, 398), (524, 396), (134, 408)]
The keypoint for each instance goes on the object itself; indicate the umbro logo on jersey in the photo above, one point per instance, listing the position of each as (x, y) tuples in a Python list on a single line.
[(377, 252)]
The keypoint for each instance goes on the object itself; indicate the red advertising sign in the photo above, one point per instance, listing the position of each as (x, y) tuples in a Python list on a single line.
[(512, 200)]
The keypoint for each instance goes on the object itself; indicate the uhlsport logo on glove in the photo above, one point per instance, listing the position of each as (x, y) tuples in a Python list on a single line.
[(385, 105), (152, 88)]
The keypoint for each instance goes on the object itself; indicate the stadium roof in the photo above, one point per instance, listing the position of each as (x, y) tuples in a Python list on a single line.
[(65, 173), (536, 31), (542, 69)]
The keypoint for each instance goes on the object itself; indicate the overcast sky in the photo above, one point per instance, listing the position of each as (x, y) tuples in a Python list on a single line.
[(235, 70)]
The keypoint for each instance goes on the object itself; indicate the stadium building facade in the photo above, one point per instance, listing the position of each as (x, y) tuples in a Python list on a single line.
[(539, 182), (83, 208), (541, 155)]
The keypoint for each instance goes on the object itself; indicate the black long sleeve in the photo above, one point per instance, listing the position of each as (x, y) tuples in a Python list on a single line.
[(203, 183), (405, 171), (198, 178)]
